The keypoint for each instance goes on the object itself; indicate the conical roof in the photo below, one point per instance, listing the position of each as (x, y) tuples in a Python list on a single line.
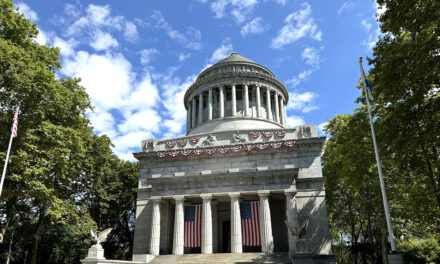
[(234, 57)]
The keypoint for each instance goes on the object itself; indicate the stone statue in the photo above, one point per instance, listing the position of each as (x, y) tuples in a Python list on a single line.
[(209, 141), (295, 231), (148, 145), (306, 132), (237, 138), (102, 236)]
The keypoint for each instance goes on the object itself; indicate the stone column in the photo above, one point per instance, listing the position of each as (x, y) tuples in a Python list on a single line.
[(277, 110), (291, 215), (283, 122), (200, 108), (268, 106), (285, 114), (258, 101), (222, 102), (236, 242), (193, 118), (265, 223), (234, 101), (155, 227), (214, 226), (206, 224), (210, 104), (246, 100), (179, 226), (188, 117)]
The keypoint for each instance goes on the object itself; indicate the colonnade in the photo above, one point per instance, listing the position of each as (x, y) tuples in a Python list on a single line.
[(220, 102), (209, 220)]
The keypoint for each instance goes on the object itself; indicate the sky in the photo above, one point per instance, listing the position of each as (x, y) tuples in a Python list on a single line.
[(137, 58)]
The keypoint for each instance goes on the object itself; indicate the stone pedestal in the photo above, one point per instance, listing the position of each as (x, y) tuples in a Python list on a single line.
[(95, 252)]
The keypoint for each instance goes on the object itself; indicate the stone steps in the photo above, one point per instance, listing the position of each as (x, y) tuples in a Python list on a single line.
[(225, 258)]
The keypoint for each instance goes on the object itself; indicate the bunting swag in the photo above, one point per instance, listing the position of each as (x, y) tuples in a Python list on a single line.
[(280, 134), (254, 134), (267, 134), (194, 140), (193, 225), (171, 144), (250, 223), (182, 142), (224, 150)]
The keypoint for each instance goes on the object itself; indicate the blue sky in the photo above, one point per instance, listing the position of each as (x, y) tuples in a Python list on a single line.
[(136, 58)]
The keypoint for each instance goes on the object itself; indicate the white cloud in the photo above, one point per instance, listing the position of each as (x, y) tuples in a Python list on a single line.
[(103, 41), (311, 56), (372, 33), (303, 102), (67, 47), (302, 76), (192, 38), (321, 128), (346, 7), (183, 56), (130, 31), (298, 24), (27, 11), (254, 26), (146, 55), (222, 52), (380, 10), (281, 2), (239, 9), (293, 121)]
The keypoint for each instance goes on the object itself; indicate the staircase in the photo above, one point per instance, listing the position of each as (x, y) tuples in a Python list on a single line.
[(224, 258)]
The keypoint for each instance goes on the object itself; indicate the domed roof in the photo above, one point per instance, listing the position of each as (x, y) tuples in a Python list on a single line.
[(234, 57)]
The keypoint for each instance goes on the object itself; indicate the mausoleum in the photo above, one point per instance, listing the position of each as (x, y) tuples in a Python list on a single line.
[(231, 183)]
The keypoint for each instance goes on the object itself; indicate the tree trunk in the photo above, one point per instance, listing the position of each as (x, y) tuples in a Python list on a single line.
[(36, 236)]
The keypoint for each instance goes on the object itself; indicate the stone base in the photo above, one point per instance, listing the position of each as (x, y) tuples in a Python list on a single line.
[(308, 258), (395, 258), (96, 252)]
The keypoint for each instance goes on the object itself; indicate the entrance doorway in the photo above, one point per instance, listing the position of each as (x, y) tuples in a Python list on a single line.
[(226, 235)]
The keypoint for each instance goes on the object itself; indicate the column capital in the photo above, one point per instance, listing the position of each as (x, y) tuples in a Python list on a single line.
[(206, 196), (179, 197), (263, 193), (290, 192), (234, 195), (155, 199)]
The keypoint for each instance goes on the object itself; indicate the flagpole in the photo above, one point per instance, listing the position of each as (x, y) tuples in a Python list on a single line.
[(7, 156), (379, 166)]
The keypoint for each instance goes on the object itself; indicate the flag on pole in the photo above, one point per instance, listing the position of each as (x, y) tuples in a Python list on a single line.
[(368, 84), (250, 223), (14, 127), (193, 225)]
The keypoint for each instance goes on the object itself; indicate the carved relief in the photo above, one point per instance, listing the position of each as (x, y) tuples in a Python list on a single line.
[(237, 138), (209, 141), (306, 132), (148, 145)]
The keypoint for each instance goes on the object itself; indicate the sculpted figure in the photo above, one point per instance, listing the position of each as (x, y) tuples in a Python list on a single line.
[(210, 140), (102, 236), (237, 138), (306, 133), (295, 231)]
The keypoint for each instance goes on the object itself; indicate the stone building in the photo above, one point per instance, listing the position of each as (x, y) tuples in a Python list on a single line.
[(237, 151)]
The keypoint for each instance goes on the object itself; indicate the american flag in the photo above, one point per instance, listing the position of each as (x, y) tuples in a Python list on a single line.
[(193, 225), (250, 223), (14, 127)]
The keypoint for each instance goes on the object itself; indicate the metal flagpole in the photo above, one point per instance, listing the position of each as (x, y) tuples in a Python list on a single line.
[(379, 166), (7, 156)]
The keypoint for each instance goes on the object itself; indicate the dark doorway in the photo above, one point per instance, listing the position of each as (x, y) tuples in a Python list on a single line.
[(226, 246)]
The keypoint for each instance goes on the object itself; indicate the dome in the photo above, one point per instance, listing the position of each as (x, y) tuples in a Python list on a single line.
[(235, 93)]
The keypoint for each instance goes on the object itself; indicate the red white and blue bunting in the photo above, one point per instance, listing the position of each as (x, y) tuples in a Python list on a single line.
[(171, 144), (254, 134), (194, 140), (224, 150), (182, 142), (267, 134), (280, 134)]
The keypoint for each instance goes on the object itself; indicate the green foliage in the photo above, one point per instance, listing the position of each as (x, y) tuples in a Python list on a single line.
[(425, 251), (405, 76), (62, 180)]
